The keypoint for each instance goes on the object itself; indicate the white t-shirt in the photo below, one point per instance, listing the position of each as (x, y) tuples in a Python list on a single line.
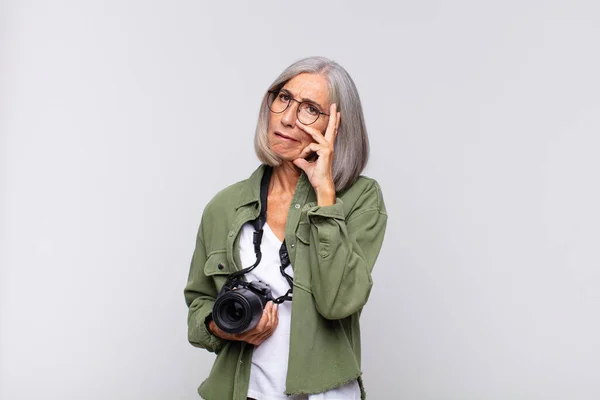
[(270, 358)]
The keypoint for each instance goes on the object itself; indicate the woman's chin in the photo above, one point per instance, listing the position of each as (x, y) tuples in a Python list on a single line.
[(286, 156)]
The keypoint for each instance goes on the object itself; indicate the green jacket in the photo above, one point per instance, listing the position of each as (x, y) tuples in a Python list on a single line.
[(332, 250)]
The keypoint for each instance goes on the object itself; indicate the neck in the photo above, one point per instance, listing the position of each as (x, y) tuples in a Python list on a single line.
[(285, 177)]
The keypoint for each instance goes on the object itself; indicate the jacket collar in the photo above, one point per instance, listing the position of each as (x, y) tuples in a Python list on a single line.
[(250, 193)]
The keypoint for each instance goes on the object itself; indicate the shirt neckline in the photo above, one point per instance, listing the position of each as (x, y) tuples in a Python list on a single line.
[(267, 228)]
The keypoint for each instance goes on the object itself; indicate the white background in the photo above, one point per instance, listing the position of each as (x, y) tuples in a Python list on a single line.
[(119, 120)]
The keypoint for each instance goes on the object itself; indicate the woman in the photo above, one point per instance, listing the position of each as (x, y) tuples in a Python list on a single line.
[(312, 141)]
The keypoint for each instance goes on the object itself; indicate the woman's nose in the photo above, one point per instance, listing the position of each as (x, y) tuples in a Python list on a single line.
[(290, 114)]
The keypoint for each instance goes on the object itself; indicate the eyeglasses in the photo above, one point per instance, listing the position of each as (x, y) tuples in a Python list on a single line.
[(308, 113)]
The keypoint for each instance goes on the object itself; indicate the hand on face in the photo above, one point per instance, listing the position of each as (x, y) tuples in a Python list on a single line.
[(320, 172), (298, 143)]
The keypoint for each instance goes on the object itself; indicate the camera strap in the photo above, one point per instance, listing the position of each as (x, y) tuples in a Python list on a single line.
[(284, 257), (259, 224)]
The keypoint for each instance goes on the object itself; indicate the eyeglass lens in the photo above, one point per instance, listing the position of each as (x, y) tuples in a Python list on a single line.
[(307, 113)]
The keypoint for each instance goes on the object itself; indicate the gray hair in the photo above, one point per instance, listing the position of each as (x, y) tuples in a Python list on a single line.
[(351, 144)]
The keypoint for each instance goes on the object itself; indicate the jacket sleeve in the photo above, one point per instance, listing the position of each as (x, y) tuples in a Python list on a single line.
[(343, 252), (200, 293)]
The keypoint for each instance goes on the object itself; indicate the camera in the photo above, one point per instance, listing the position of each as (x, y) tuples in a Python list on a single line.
[(239, 305)]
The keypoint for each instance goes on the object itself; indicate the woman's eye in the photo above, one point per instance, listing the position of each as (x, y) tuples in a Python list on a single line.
[(312, 109), (284, 97)]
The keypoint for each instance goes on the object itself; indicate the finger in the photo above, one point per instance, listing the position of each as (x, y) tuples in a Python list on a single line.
[(267, 335), (331, 125), (262, 323), (269, 310), (269, 331), (253, 333), (258, 340), (334, 133), (337, 127), (276, 317), (303, 165), (272, 321), (314, 133), (247, 337), (260, 337), (310, 148)]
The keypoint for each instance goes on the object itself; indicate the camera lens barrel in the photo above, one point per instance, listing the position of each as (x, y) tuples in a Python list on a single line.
[(238, 311)]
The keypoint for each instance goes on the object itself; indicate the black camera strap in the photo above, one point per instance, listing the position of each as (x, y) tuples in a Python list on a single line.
[(259, 224), (284, 257)]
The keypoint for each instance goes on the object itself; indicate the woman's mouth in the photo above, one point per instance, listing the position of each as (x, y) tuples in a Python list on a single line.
[(284, 137)]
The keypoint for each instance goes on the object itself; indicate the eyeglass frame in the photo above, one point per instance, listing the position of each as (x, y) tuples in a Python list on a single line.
[(276, 92)]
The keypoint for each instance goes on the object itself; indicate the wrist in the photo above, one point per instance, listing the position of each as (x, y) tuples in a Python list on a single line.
[(326, 196)]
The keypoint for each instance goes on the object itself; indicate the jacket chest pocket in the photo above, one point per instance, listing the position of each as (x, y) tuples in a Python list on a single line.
[(218, 268), (304, 226)]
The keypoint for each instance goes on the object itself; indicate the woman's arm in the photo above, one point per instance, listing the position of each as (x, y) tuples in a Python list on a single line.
[(200, 293), (343, 252), (343, 249)]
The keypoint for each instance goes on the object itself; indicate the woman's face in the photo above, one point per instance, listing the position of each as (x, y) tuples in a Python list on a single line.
[(286, 138)]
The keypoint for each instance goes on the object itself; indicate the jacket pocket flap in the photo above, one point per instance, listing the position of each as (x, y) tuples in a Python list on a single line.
[(303, 232), (217, 264)]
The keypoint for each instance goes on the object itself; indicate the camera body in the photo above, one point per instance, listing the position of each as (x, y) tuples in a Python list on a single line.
[(239, 305)]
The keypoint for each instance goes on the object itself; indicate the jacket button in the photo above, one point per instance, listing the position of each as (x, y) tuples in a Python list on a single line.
[(220, 266), (230, 233), (297, 206)]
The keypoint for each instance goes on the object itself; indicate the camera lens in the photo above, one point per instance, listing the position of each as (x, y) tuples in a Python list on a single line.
[(234, 311), (237, 310)]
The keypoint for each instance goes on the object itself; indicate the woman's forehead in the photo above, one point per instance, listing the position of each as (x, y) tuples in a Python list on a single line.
[(309, 87)]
